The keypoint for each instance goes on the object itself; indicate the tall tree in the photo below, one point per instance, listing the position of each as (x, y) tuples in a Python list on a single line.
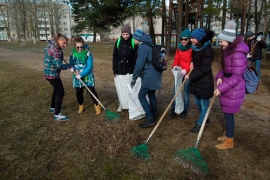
[(169, 30), (179, 21)]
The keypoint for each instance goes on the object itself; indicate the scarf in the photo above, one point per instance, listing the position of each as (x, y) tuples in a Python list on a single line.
[(195, 48), (183, 48), (80, 55)]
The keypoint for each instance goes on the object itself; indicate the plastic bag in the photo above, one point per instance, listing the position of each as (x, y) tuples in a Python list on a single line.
[(121, 82), (179, 103)]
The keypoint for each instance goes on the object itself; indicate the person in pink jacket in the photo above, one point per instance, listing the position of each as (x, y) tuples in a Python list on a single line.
[(230, 82)]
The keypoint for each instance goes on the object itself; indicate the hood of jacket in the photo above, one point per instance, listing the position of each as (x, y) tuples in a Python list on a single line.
[(238, 45), (146, 39)]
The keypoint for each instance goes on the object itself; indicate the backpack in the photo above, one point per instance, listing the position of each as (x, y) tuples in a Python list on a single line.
[(159, 61), (132, 43), (252, 80)]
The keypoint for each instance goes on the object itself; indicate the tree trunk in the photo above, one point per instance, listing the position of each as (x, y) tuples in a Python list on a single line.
[(179, 23), (150, 21), (248, 18), (164, 22), (243, 17), (201, 13), (224, 12), (197, 14), (186, 12), (168, 37)]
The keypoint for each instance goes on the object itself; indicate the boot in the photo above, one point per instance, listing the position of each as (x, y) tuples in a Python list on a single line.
[(172, 114), (183, 115), (226, 144), (98, 109), (223, 137), (196, 128), (81, 108), (148, 123)]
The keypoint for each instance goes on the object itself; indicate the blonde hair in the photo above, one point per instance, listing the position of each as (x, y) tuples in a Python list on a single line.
[(59, 36)]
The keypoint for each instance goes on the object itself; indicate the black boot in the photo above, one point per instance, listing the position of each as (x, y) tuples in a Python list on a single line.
[(207, 121), (183, 115), (148, 123), (172, 114), (195, 129)]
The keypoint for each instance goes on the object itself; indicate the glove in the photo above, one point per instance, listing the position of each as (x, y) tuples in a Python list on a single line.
[(183, 71), (78, 77), (175, 68), (132, 83), (71, 70), (259, 38), (249, 55)]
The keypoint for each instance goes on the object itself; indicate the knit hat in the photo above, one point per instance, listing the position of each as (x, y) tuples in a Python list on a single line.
[(138, 34), (249, 34), (186, 33), (198, 34), (229, 33), (126, 29)]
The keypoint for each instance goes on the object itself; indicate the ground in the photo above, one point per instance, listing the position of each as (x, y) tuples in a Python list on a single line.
[(34, 146)]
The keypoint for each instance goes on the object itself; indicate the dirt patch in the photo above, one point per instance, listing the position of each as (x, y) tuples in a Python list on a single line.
[(87, 148)]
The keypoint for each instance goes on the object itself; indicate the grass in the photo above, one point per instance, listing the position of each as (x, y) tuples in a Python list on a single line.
[(34, 146)]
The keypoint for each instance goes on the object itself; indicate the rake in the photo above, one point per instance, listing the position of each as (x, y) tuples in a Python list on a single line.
[(109, 114), (141, 151), (191, 158)]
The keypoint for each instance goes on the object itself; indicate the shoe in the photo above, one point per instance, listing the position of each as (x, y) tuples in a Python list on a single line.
[(172, 114), (226, 144), (223, 137), (81, 108), (148, 123), (60, 117), (183, 115), (119, 109), (52, 110), (195, 129), (98, 109)]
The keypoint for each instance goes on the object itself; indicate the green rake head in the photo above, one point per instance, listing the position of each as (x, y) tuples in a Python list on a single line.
[(140, 152), (191, 159), (111, 116)]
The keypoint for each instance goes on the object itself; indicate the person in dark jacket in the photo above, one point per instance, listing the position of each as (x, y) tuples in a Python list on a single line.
[(53, 64), (151, 78), (124, 55), (230, 82), (255, 44), (202, 81)]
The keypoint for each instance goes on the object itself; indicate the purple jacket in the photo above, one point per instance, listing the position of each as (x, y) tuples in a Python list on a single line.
[(233, 87)]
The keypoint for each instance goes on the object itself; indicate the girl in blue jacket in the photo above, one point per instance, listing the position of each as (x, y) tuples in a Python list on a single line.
[(81, 62)]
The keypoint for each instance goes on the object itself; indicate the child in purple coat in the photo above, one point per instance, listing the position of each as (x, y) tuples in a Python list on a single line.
[(230, 81)]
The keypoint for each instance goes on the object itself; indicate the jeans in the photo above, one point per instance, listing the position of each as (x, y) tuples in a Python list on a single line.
[(186, 96), (257, 66), (229, 117), (58, 94), (79, 95), (203, 106), (149, 109)]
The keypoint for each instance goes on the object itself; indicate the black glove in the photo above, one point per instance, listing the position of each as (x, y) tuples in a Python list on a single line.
[(132, 83)]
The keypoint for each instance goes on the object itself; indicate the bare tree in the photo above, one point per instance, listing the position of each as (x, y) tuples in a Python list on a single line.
[(169, 30), (179, 21), (164, 22)]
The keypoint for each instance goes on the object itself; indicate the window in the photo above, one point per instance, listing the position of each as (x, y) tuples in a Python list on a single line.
[(65, 29)]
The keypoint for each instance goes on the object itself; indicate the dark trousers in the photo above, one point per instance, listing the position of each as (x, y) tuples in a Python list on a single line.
[(79, 94), (230, 124), (58, 94)]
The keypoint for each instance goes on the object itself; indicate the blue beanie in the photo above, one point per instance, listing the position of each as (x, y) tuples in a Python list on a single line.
[(198, 34), (186, 33), (138, 34)]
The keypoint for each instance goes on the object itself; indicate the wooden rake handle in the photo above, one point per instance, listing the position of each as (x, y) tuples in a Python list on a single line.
[(253, 47), (204, 121), (161, 118), (88, 89)]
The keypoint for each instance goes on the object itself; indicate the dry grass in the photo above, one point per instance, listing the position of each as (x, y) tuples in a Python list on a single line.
[(34, 146)]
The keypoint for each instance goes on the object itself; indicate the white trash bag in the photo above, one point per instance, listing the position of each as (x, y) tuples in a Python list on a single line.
[(179, 103), (136, 111), (121, 82)]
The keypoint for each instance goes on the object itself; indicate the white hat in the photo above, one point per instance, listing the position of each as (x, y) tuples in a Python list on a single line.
[(229, 33)]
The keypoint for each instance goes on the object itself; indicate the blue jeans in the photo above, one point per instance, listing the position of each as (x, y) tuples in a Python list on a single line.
[(186, 95), (257, 66), (203, 106), (149, 109), (229, 117)]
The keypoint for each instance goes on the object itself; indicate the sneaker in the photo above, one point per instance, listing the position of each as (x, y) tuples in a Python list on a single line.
[(172, 114), (148, 123), (60, 117), (195, 129), (119, 109), (52, 110)]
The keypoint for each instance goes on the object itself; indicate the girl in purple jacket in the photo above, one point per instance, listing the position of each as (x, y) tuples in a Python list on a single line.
[(230, 81)]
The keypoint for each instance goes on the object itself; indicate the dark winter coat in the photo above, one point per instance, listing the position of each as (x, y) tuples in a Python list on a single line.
[(202, 80), (257, 52), (233, 87), (124, 57), (151, 78)]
